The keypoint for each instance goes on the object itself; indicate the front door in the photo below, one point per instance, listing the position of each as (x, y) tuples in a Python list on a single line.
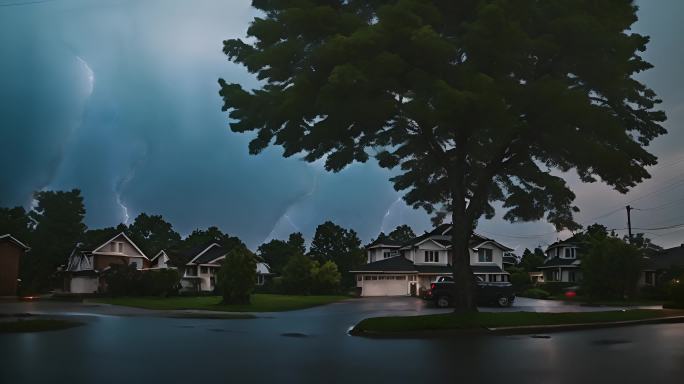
[(413, 289)]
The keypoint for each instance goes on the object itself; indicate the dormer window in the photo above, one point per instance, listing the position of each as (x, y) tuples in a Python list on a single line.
[(386, 255), (484, 255), (432, 256)]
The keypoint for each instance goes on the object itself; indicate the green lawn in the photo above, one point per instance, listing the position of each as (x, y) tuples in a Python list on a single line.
[(480, 320), (37, 325), (607, 302), (260, 302)]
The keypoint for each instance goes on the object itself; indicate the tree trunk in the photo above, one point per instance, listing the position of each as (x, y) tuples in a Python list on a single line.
[(464, 283)]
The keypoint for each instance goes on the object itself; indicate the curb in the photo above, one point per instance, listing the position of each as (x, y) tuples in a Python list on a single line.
[(526, 329), (520, 330)]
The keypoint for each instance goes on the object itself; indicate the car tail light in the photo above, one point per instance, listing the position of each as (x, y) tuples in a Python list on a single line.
[(432, 286)]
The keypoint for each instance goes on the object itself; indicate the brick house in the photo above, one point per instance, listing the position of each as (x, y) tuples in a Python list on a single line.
[(11, 252)]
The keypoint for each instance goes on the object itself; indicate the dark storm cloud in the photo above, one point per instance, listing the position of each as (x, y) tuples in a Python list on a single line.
[(150, 136)]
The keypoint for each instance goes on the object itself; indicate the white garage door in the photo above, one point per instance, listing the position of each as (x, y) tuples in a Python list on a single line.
[(385, 286)]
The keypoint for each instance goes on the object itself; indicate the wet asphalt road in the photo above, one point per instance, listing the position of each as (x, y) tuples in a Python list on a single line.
[(311, 346)]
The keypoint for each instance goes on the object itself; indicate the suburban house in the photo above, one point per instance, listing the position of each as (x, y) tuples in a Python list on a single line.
[(659, 262), (562, 263), (509, 260), (11, 252), (87, 262), (199, 266), (408, 269)]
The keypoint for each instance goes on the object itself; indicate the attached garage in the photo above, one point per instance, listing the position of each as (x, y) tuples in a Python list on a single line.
[(383, 285)]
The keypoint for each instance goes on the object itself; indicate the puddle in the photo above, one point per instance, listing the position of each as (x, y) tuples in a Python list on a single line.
[(294, 334), (540, 336), (610, 342)]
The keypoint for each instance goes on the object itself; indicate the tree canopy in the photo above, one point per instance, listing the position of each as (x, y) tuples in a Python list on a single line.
[(152, 233), (339, 245), (237, 276), (476, 101), (276, 253)]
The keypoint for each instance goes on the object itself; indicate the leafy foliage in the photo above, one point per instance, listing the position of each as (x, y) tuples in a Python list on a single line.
[(532, 260), (237, 276), (16, 222), (476, 101), (58, 218), (127, 280), (200, 237), (342, 246), (402, 234), (152, 233), (276, 253), (611, 268), (297, 274), (326, 278)]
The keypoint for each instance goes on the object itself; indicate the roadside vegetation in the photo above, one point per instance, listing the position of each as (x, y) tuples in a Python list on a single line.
[(481, 320), (36, 325), (259, 302)]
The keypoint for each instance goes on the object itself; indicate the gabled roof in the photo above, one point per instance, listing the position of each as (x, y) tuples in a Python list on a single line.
[(671, 257), (9, 238), (211, 255), (392, 264), (162, 252), (442, 236), (572, 240), (388, 243), (560, 262), (127, 239)]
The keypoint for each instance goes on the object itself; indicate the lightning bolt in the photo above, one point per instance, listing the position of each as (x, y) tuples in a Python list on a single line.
[(389, 210), (286, 216)]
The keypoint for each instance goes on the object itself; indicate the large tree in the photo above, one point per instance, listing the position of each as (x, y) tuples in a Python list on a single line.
[(476, 101), (339, 245), (276, 253), (152, 233), (16, 222), (402, 234), (58, 217), (200, 237)]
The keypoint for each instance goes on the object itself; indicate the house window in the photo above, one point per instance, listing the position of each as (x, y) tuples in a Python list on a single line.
[(120, 247), (204, 270), (366, 277), (556, 275), (432, 256), (557, 252), (648, 278), (484, 255), (112, 247), (358, 277), (386, 255), (571, 276), (191, 271)]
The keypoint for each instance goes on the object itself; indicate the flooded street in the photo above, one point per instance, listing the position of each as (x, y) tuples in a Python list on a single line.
[(311, 346)]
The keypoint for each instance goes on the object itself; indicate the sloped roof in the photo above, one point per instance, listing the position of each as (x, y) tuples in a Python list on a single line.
[(211, 255), (572, 240), (671, 257), (9, 238), (392, 264), (560, 262), (386, 241)]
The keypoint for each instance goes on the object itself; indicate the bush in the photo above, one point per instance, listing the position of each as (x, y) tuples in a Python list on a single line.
[(297, 275), (127, 280), (237, 276), (677, 291), (326, 278), (536, 293), (611, 269), (520, 279)]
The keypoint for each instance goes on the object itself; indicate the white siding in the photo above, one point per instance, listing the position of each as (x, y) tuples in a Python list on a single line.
[(497, 255)]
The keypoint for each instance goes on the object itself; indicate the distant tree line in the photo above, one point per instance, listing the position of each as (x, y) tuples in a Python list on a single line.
[(55, 226)]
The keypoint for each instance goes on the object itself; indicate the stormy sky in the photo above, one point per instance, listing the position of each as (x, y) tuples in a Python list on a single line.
[(120, 99)]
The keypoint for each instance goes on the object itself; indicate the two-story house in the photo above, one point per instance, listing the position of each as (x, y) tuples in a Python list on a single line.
[(199, 266), (87, 262), (562, 263), (408, 269)]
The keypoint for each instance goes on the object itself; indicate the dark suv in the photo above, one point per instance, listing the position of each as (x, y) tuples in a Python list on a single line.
[(441, 293)]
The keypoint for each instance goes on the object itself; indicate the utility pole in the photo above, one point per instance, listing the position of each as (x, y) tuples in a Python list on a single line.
[(629, 223)]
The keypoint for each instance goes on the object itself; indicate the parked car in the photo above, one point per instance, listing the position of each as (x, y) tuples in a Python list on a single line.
[(441, 292)]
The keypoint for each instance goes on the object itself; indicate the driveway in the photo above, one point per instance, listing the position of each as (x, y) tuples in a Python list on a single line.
[(311, 346)]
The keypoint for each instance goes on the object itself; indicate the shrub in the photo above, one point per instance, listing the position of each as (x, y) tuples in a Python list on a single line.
[(536, 293), (611, 269), (520, 279), (127, 280), (237, 276), (326, 278), (297, 274)]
